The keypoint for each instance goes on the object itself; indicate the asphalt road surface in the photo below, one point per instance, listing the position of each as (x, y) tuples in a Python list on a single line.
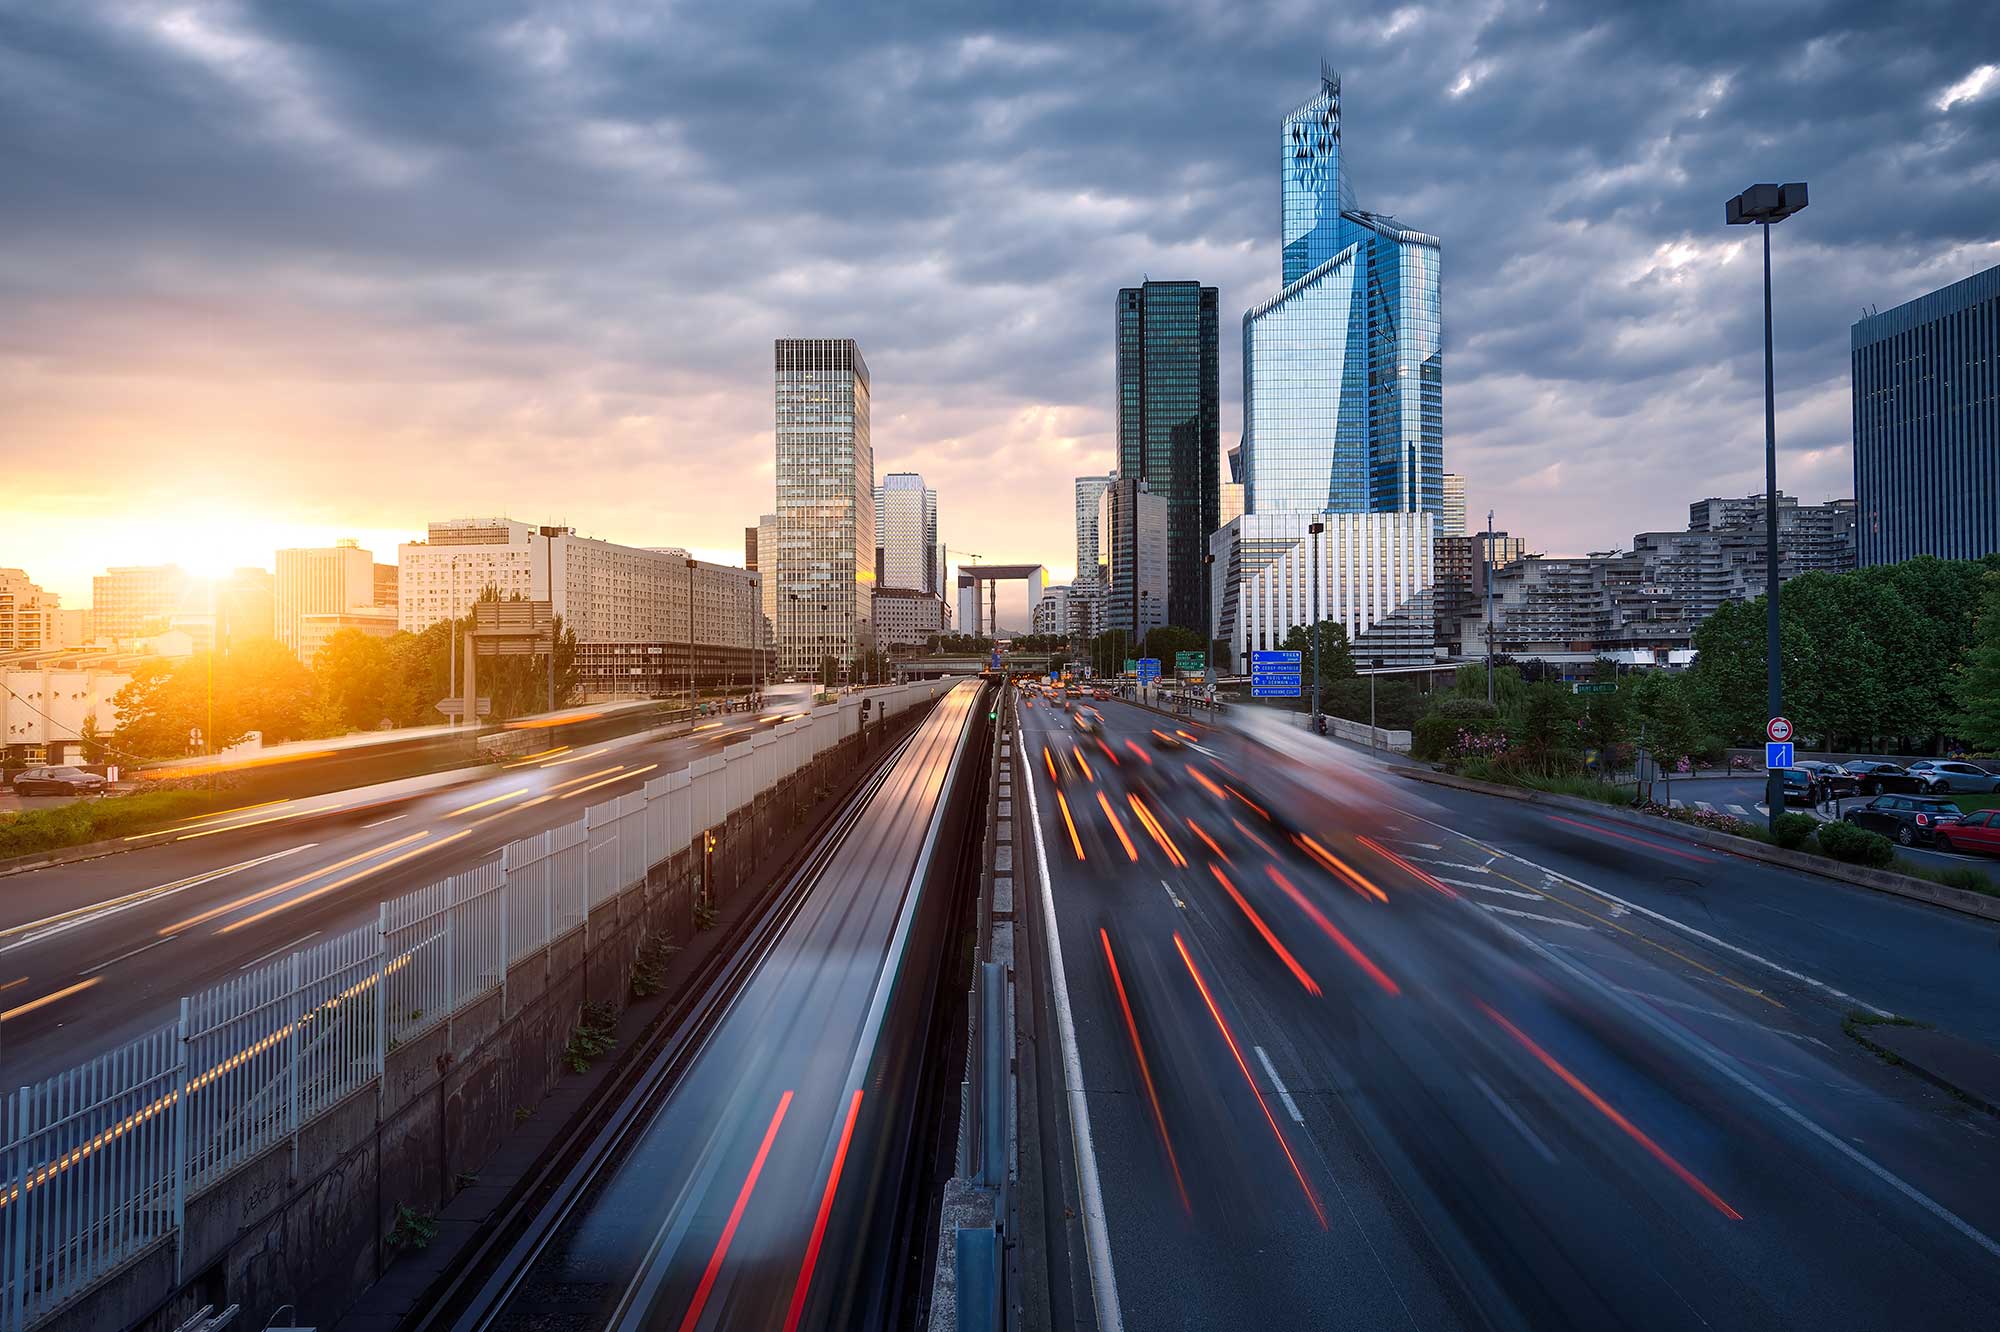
[(98, 952), (1360, 1052)]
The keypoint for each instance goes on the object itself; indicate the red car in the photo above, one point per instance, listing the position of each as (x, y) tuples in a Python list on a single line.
[(1977, 831)]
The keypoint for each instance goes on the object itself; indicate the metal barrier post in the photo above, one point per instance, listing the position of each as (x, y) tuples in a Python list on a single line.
[(381, 1009), (506, 900), (180, 1147), (17, 1223), (993, 1074), (295, 1013)]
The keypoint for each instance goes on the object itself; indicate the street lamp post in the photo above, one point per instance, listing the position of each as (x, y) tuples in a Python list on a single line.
[(1314, 531), (1764, 205), (690, 660), (1486, 547), (548, 535), (1208, 630), (1372, 743)]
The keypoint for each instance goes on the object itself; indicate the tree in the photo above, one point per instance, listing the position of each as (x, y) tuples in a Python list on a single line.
[(358, 682), (829, 671), (1164, 641), (1336, 658), (1546, 735), (260, 686), (1978, 683), (1664, 717), (93, 742)]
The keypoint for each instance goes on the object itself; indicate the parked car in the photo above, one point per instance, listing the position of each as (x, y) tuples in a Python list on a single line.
[(58, 781), (1803, 786), (1910, 820), (1941, 775), (1836, 780), (1874, 776), (1977, 831)]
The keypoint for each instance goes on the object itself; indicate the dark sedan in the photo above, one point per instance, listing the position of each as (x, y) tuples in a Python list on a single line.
[(1837, 780), (1875, 777), (58, 781), (1909, 820)]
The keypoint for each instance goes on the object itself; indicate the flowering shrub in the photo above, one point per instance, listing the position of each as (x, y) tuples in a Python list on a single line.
[(1488, 745)]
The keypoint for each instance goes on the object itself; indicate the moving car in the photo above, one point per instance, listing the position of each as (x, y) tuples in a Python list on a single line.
[(1162, 740), (1910, 820), (58, 781), (1977, 831), (1873, 776), (1941, 775), (1085, 720)]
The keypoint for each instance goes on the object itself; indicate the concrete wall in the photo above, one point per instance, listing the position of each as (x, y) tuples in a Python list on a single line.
[(308, 1223)]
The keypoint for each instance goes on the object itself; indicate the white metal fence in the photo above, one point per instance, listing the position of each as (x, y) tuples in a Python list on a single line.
[(100, 1161)]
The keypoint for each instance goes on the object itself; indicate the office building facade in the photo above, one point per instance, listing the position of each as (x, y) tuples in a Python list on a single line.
[(1051, 613), (1926, 385), (906, 618), (1133, 526), (1169, 423), (1374, 570), (1452, 520), (323, 580), (906, 533), (133, 599), (826, 511), (1343, 393)]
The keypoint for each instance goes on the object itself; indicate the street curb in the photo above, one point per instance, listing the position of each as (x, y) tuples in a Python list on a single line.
[(1925, 1065), (69, 855), (1899, 885)]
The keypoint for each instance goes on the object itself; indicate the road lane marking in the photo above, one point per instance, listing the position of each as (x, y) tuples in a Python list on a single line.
[(1284, 1096), (379, 822), (35, 931), (355, 877), (1096, 1231), (258, 896), (93, 970), (482, 804), (1172, 896), (621, 777), (1529, 915), (1493, 888), (49, 998), (1513, 1117), (1721, 1063)]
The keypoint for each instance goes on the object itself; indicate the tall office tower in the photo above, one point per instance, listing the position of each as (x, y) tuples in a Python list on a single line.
[(1454, 506), (1135, 526), (1343, 392), (826, 514), (131, 600), (322, 580), (1927, 425), (1170, 424), (906, 532), (1087, 588), (767, 573)]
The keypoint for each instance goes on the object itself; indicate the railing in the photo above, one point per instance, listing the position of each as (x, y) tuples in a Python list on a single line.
[(100, 1161)]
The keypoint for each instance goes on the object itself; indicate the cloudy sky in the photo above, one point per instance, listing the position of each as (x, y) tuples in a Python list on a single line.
[(272, 274)]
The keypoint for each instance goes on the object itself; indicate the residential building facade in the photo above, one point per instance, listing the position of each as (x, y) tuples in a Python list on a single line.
[(315, 627), (1461, 582), (1812, 538), (440, 578), (1169, 423), (826, 514), (1051, 613), (30, 617), (1926, 385)]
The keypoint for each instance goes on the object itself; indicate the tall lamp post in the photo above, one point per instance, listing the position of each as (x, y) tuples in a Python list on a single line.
[(1314, 530), (1208, 630), (1764, 205), (548, 536), (690, 661)]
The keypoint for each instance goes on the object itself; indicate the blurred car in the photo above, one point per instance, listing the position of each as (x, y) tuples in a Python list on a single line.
[(58, 781), (1941, 775), (1874, 777), (1086, 720), (1910, 820), (1978, 831), (1101, 695), (1837, 780), (1162, 740)]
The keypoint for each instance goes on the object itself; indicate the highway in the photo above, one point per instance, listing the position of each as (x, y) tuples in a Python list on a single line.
[(97, 952), (1353, 1051), (751, 1193)]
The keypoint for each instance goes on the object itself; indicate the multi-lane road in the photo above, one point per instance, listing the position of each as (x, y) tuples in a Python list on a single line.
[(1356, 1051), (99, 951)]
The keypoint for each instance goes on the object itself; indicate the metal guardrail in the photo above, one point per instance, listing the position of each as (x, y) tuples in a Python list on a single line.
[(100, 1161)]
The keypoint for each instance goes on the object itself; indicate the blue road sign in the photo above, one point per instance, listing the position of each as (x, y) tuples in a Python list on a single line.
[(1778, 755), (1273, 691), (1282, 659), (1149, 669)]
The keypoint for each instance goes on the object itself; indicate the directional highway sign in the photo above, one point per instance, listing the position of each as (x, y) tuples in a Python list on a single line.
[(1187, 663), (1149, 669), (1777, 755), (1275, 674)]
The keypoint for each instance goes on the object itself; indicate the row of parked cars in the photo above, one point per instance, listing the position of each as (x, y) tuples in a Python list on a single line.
[(1873, 777)]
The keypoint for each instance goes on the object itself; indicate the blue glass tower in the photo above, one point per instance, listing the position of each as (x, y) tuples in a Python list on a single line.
[(1343, 369)]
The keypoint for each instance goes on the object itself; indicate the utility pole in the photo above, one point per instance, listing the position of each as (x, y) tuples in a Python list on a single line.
[(1314, 532)]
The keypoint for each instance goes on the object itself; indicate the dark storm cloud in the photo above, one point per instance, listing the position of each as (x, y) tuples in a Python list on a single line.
[(539, 221)]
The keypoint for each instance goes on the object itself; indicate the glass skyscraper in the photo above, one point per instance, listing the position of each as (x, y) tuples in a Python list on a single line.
[(1343, 369), (826, 502), (1927, 425), (1170, 424)]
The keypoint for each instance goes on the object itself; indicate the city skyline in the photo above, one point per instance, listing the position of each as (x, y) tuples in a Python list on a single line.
[(370, 327)]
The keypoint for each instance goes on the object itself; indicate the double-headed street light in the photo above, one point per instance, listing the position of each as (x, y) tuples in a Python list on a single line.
[(1764, 205)]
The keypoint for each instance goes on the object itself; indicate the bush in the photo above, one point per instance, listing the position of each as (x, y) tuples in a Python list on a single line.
[(1431, 737), (1856, 846), (83, 821), (1460, 708), (1792, 830)]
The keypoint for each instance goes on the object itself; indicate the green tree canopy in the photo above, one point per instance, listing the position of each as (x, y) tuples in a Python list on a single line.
[(1978, 684)]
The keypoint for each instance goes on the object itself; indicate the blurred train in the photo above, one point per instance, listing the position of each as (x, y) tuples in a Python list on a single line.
[(311, 767)]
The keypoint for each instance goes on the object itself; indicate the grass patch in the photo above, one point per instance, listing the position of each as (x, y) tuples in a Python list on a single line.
[(1957, 876), (37, 830), (1968, 804), (1856, 1021)]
